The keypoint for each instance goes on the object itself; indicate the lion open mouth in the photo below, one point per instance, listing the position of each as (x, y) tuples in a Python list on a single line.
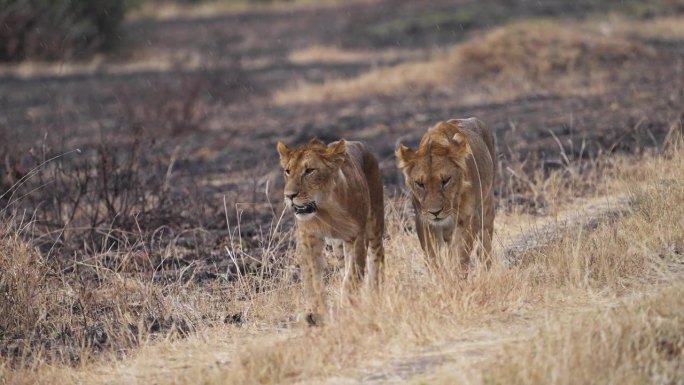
[(306, 209)]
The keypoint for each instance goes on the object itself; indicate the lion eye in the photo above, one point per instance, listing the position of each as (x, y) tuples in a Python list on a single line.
[(309, 171), (445, 182), (420, 185)]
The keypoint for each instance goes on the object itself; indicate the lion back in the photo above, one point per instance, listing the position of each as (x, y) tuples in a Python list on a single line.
[(370, 168), (483, 149)]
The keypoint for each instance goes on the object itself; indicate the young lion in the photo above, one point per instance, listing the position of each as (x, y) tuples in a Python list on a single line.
[(451, 178), (335, 192)]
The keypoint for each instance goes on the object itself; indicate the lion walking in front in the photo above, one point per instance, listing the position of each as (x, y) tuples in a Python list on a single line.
[(451, 179), (335, 192)]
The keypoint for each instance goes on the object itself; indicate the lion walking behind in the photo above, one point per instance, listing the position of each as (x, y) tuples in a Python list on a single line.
[(451, 180)]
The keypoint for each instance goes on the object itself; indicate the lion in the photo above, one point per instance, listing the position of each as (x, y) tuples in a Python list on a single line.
[(451, 182), (336, 193)]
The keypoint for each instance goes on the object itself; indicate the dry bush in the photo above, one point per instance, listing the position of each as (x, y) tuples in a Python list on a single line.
[(68, 312), (120, 188), (107, 259), (86, 198), (126, 252), (53, 30), (69, 315), (114, 257)]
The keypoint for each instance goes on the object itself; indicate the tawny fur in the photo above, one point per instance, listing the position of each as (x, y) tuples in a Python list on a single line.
[(343, 179), (451, 179)]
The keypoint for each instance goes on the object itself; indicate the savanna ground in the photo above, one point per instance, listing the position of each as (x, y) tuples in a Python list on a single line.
[(142, 239)]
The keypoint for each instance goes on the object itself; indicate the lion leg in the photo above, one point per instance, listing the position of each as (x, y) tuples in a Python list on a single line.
[(464, 249), (376, 261), (428, 242), (487, 246), (354, 264), (312, 277), (486, 234)]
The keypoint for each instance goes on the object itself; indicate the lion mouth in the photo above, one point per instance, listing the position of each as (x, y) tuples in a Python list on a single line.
[(442, 221), (306, 209)]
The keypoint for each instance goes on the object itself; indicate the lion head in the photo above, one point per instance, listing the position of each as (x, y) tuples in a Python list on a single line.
[(310, 172), (436, 174)]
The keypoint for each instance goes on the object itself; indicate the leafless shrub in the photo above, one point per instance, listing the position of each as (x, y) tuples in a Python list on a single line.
[(171, 108), (43, 30)]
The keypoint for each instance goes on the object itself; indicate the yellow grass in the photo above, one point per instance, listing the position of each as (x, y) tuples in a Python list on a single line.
[(177, 10), (322, 54), (661, 28), (635, 340)]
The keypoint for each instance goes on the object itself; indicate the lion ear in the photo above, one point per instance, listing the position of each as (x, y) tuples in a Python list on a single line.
[(283, 151), (404, 156), (337, 150), (459, 138), (459, 146)]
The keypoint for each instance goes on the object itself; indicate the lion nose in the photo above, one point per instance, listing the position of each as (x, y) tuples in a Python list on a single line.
[(435, 212), (291, 195)]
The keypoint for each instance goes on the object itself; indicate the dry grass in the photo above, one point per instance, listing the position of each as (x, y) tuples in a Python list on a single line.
[(634, 343), (174, 10), (541, 55), (381, 81), (90, 308), (662, 28), (544, 49), (322, 54), (582, 267), (319, 54), (111, 324), (589, 268), (636, 340)]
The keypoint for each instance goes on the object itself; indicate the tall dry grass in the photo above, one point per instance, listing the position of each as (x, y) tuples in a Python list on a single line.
[(69, 316), (640, 338), (634, 343)]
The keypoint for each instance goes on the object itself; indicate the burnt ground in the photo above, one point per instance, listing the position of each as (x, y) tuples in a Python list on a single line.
[(209, 115)]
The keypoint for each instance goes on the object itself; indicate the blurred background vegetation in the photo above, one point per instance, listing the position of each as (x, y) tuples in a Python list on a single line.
[(66, 29), (50, 30), (47, 30)]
